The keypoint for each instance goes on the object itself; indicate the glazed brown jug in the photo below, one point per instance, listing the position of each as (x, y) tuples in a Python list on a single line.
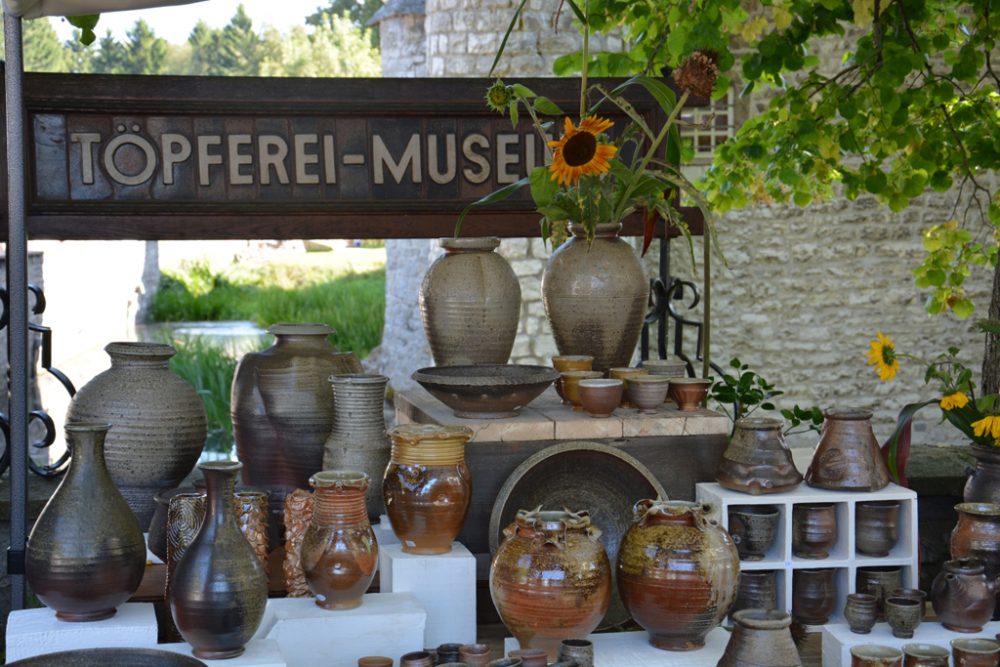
[(427, 486), (977, 535), (761, 638), (282, 412), (678, 573), (158, 422), (550, 578), (339, 550), (757, 459), (847, 457), (86, 554), (470, 303), (983, 484), (962, 596)]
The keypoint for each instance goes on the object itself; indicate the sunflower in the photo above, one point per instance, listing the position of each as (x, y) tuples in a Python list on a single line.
[(988, 425), (883, 357), (579, 153), (957, 399)]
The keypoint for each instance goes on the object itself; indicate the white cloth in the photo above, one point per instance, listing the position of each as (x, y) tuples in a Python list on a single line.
[(33, 9)]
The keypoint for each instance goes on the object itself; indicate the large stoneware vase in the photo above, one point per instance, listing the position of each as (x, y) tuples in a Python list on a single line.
[(218, 590), (847, 457), (470, 303), (157, 419), (86, 554), (983, 485), (283, 413), (550, 578), (359, 440), (757, 459), (977, 535), (678, 573), (596, 297)]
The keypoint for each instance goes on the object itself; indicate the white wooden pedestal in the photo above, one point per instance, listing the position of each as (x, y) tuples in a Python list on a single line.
[(632, 649), (445, 584), (308, 635), (31, 632), (838, 638), (258, 653)]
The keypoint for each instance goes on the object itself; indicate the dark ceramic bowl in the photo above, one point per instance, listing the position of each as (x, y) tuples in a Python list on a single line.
[(119, 657), (486, 391)]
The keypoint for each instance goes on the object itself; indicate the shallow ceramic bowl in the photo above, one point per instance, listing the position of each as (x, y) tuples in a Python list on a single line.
[(570, 381), (486, 391), (688, 393), (647, 392), (119, 657), (600, 397)]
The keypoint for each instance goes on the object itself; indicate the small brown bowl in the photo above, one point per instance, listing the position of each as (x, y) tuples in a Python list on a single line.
[(570, 362), (688, 393), (571, 384), (647, 392), (624, 373), (600, 397)]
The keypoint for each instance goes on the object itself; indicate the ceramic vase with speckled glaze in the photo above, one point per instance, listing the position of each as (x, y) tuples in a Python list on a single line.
[(678, 573), (158, 422)]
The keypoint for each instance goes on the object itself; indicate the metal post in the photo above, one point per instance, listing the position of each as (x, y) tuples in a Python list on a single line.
[(17, 291)]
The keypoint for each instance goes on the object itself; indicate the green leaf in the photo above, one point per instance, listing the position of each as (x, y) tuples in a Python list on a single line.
[(876, 182), (492, 198), (963, 308), (543, 188), (503, 42), (546, 106)]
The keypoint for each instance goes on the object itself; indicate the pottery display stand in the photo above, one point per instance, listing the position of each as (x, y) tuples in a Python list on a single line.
[(632, 649), (444, 584), (843, 557), (307, 635), (31, 632), (258, 653), (838, 638)]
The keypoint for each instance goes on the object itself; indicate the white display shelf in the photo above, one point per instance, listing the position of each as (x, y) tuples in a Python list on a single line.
[(257, 653), (632, 649), (838, 638), (843, 556), (31, 632)]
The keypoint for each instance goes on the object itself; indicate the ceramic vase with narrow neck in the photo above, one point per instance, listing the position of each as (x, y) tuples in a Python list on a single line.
[(339, 551), (218, 590), (158, 422), (470, 303), (596, 296), (86, 554), (358, 440)]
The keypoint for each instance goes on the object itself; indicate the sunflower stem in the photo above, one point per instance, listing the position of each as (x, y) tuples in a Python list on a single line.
[(586, 60)]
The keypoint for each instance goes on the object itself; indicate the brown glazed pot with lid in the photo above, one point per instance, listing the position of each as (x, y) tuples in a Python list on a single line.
[(678, 573), (847, 457), (757, 459), (977, 535), (427, 486), (962, 596), (550, 578)]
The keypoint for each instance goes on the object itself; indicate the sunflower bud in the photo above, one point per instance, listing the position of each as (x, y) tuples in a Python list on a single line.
[(698, 73), (499, 97)]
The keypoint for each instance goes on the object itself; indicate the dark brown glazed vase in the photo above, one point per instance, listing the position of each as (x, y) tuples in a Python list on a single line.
[(339, 551), (470, 303), (753, 529), (983, 484), (427, 486), (814, 529), (876, 527), (761, 638), (860, 612), (678, 573), (595, 296), (962, 596), (86, 554), (158, 422), (358, 440), (977, 535), (550, 578), (218, 590), (847, 457), (757, 459), (814, 595), (282, 413)]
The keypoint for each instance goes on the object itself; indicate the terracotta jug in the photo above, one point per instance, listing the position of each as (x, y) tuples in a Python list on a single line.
[(678, 573), (847, 457), (596, 296), (339, 550), (358, 440), (427, 486), (282, 412), (761, 638), (962, 596), (86, 554), (758, 460), (977, 535), (470, 303), (218, 589), (158, 422), (983, 485), (550, 578)]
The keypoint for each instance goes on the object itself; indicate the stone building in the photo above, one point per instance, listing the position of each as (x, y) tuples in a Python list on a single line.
[(802, 291)]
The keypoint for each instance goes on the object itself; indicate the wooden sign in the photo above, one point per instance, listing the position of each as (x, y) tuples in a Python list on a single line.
[(204, 157)]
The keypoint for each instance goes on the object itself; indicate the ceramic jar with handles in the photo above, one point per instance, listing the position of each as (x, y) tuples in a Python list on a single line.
[(977, 535), (962, 596)]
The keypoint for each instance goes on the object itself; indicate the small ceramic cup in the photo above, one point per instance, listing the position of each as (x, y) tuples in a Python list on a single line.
[(925, 655), (506, 662), (647, 392), (623, 373), (688, 393), (903, 615), (580, 651), (417, 659), (871, 655), (474, 655), (571, 385), (570, 362), (530, 657), (600, 397), (375, 661), (860, 612), (753, 528), (913, 593), (814, 529), (447, 653), (876, 527), (975, 652)]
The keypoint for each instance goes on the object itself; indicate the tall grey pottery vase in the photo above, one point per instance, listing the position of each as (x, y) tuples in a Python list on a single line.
[(218, 590), (157, 419), (358, 440), (86, 554)]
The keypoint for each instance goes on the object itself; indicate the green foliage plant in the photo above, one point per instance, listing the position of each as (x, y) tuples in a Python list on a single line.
[(209, 369)]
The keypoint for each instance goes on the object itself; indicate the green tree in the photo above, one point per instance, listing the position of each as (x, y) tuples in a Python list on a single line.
[(238, 49), (145, 52), (42, 50), (359, 12), (111, 56), (335, 47), (913, 106)]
